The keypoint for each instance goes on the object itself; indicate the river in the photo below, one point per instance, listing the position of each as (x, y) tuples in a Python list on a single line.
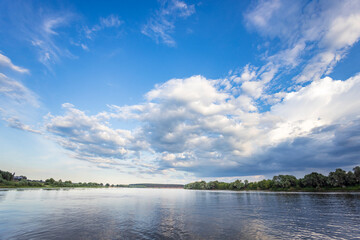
[(124, 213)]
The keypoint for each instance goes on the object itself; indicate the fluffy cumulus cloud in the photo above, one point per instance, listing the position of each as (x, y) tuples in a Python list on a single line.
[(197, 125), (88, 135), (162, 24), (90, 138)]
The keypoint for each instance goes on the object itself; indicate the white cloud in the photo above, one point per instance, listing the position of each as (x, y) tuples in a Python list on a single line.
[(5, 61), (16, 91), (162, 24), (45, 39), (324, 102), (262, 13), (196, 92), (254, 89), (248, 73), (16, 123), (41, 27), (111, 21), (90, 138), (274, 18), (16, 101), (49, 25), (192, 124), (344, 30), (316, 33), (88, 134), (67, 105)]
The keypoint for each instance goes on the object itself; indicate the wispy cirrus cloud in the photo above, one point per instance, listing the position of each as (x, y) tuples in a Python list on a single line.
[(315, 35), (14, 95), (6, 62), (162, 24), (16, 98), (45, 29), (47, 39), (111, 21), (16, 92), (16, 123)]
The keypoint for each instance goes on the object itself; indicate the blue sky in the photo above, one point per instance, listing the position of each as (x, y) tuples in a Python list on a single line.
[(176, 91)]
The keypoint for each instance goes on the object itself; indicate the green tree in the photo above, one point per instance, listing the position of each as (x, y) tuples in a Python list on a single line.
[(265, 184), (357, 174), (350, 179), (8, 176), (212, 185), (246, 183), (237, 185), (50, 181), (223, 186), (284, 181), (337, 178), (314, 179)]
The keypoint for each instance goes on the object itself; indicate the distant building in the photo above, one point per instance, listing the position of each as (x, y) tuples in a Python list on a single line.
[(19, 178)]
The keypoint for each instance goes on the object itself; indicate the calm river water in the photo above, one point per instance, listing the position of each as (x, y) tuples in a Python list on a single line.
[(176, 214)]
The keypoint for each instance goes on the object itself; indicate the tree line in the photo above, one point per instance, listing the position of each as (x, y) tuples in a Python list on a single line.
[(8, 179), (339, 179)]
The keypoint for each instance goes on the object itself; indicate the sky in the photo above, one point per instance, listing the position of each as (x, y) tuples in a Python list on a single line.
[(175, 91)]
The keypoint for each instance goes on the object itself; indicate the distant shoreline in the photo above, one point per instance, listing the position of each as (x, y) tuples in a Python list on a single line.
[(337, 181), (282, 190), (9, 180), (50, 187)]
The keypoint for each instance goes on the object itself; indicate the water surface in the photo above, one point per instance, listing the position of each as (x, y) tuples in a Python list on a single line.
[(176, 214)]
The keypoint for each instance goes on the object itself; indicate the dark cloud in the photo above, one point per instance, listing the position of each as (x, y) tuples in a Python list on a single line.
[(331, 147)]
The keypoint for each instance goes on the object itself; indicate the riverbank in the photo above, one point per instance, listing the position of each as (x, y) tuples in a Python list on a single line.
[(304, 190), (53, 187), (339, 180), (42, 187)]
